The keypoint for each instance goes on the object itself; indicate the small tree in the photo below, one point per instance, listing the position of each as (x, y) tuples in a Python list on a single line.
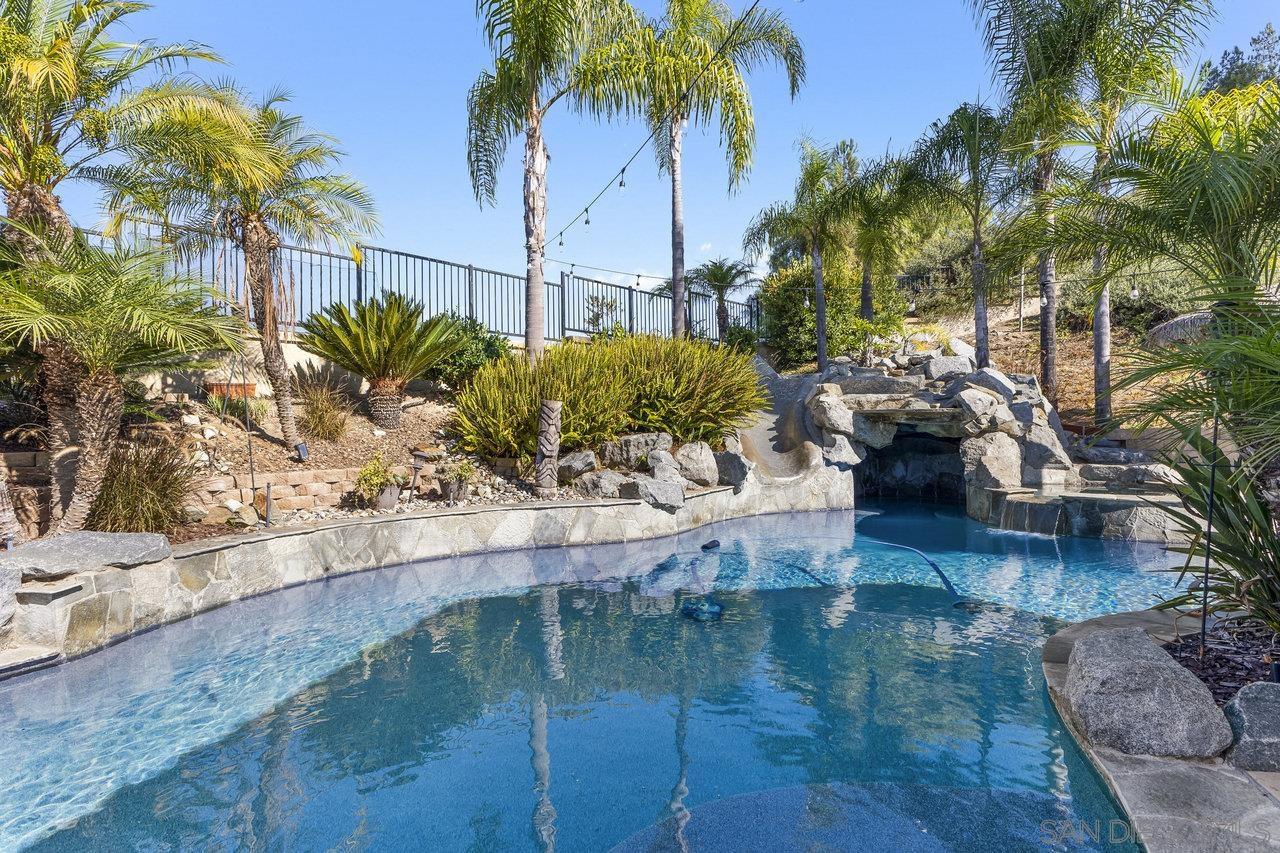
[(114, 311)]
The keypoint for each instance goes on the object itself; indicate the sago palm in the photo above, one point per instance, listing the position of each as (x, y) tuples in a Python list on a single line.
[(540, 52), (964, 162), (387, 341), (298, 197), (114, 310), (76, 96), (695, 63), (1133, 49), (814, 218)]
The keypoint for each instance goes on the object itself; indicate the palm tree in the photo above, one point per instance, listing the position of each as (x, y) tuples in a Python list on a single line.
[(814, 218), (298, 198), (545, 51), (696, 60), (880, 201), (112, 310), (719, 278), (1038, 51), (1131, 51), (75, 98), (387, 341), (964, 162)]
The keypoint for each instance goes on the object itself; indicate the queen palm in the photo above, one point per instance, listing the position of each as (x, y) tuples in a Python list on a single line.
[(1038, 51), (545, 52), (720, 279), (814, 218), (964, 162), (696, 60), (1132, 50), (113, 310), (296, 198), (75, 98)]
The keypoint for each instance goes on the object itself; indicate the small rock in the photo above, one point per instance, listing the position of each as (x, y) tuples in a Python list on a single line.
[(194, 514), (600, 484), (1254, 715), (379, 433), (1127, 693), (698, 463), (660, 494), (574, 465), (733, 470), (200, 457), (190, 421), (964, 348), (233, 505), (208, 433)]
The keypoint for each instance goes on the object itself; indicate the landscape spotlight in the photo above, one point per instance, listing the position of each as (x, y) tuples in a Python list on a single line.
[(301, 449)]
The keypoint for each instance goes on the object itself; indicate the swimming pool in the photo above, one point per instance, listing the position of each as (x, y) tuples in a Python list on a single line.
[(558, 698)]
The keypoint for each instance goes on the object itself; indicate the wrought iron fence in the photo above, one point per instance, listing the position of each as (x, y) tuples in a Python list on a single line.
[(309, 280)]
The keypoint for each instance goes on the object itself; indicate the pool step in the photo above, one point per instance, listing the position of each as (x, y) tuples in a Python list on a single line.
[(23, 659)]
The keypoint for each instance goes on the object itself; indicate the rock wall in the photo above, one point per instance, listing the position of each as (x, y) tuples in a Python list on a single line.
[(60, 617)]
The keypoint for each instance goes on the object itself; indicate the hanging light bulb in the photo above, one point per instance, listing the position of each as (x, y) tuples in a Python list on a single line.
[(911, 307), (1044, 299), (637, 281), (622, 181), (562, 240), (588, 222), (1133, 291)]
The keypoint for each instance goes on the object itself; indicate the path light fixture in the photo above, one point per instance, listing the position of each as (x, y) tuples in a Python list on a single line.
[(419, 462)]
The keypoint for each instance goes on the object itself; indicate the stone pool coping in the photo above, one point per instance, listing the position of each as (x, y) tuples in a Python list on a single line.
[(1173, 805), (61, 620)]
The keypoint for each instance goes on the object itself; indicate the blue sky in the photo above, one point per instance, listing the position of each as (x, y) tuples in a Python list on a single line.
[(390, 78)]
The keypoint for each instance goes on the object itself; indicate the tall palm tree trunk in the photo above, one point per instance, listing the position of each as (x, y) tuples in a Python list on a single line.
[(820, 305), (722, 317), (678, 297), (981, 332), (1048, 273), (259, 245), (61, 372), (99, 408), (535, 233), (1101, 324)]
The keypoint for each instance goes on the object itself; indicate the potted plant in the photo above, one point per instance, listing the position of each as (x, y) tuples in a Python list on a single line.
[(455, 480), (377, 486)]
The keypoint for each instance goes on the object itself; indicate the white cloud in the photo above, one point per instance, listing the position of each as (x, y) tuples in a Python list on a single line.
[(704, 248)]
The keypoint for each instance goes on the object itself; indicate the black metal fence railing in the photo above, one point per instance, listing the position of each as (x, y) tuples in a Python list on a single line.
[(309, 280)]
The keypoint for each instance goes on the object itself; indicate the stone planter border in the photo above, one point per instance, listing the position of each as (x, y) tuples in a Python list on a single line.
[(1173, 806), (74, 616)]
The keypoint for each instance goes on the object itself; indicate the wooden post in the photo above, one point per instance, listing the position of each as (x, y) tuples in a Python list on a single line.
[(548, 460)]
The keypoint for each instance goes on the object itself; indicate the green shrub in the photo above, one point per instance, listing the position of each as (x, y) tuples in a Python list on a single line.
[(695, 391), (790, 322), (477, 347), (233, 408), (145, 490), (742, 338), (1159, 298), (374, 476), (324, 413)]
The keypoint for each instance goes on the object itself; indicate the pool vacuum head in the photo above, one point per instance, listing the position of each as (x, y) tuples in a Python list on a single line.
[(712, 545), (702, 610)]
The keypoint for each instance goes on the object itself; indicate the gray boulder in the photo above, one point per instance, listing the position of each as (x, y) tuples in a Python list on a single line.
[(1126, 693), (830, 413), (1043, 449), (838, 450), (870, 432), (663, 467), (601, 484), (964, 348), (1254, 715), (1110, 455), (733, 469), (574, 465), (993, 380), (992, 461), (698, 463), (946, 365), (974, 402), (661, 494), (71, 553), (628, 451), (879, 383)]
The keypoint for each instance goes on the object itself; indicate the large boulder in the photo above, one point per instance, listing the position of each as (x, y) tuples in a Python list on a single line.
[(964, 348), (830, 413), (72, 553), (574, 465), (872, 433), (879, 383), (1254, 715), (1042, 448), (733, 469), (601, 484), (975, 402), (661, 494), (992, 461), (945, 365), (837, 449), (993, 380), (663, 467), (698, 463), (1126, 693), (630, 451)]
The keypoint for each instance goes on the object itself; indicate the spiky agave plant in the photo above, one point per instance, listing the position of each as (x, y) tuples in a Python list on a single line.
[(388, 341)]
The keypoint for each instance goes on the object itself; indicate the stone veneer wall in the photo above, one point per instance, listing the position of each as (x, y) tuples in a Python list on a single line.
[(27, 488), (290, 490), (66, 618)]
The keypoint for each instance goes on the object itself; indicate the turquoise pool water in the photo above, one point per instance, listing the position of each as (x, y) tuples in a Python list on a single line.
[(557, 698)]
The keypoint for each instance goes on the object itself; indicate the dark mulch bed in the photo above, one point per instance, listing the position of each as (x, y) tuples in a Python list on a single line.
[(193, 532), (1235, 655)]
